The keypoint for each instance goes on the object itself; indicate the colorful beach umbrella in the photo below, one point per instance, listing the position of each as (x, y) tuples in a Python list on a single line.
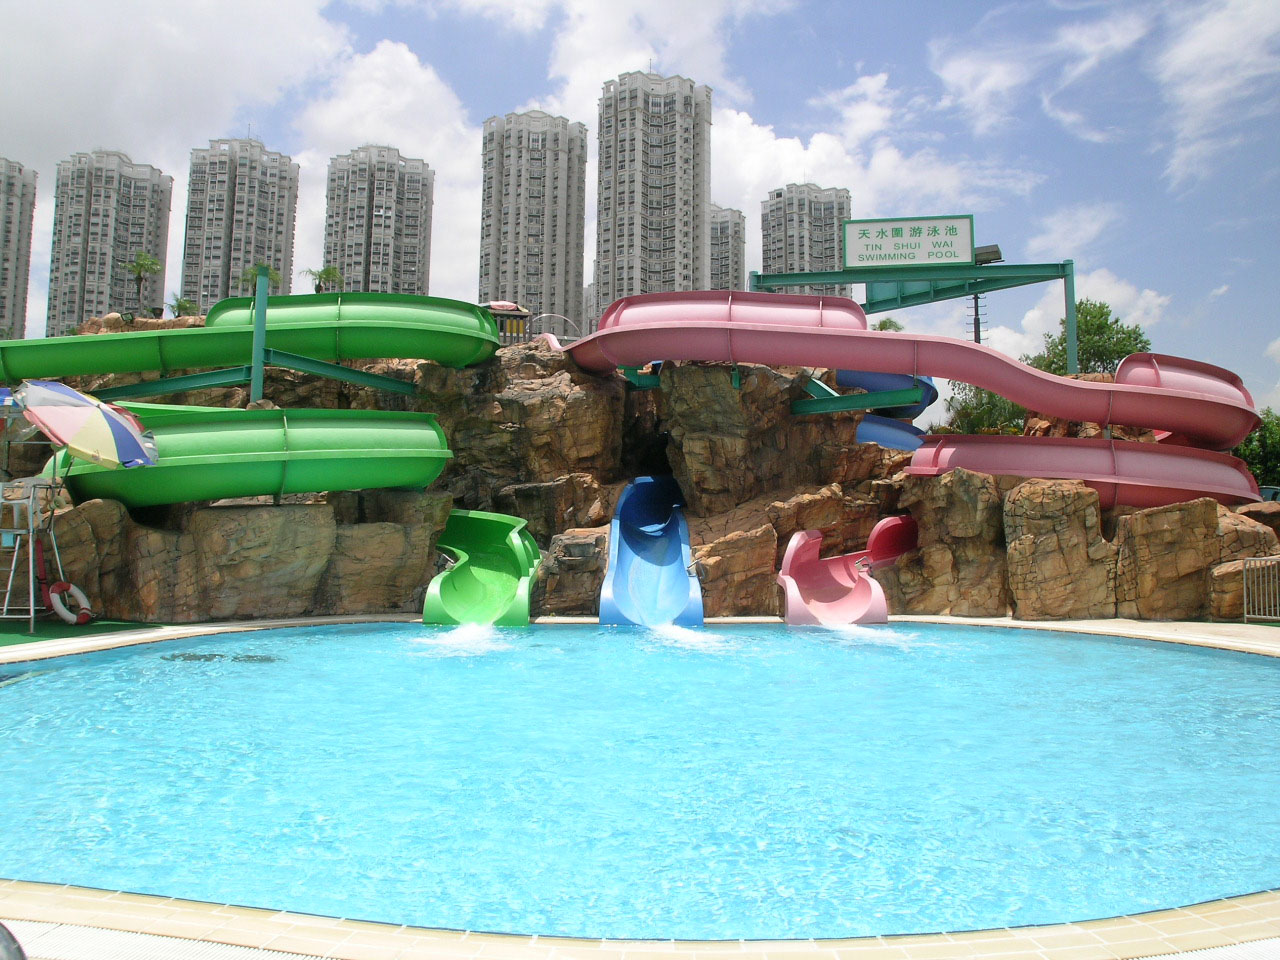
[(90, 429)]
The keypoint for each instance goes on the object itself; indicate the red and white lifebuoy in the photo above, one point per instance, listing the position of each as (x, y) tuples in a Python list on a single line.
[(57, 599)]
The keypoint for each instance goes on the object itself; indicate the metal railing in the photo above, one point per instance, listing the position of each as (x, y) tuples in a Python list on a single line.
[(1261, 576)]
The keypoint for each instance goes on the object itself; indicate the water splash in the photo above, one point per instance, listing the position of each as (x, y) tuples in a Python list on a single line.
[(855, 634), (687, 638), (465, 640)]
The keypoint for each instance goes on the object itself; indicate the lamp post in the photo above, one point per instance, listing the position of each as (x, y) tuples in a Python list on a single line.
[(986, 254)]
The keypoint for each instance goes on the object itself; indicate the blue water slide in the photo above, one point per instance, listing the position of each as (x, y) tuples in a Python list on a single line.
[(650, 580), (877, 382), (890, 433)]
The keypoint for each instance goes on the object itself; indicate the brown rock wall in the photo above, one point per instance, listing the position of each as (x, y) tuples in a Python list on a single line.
[(738, 573), (730, 444), (1060, 566), (571, 575), (959, 565)]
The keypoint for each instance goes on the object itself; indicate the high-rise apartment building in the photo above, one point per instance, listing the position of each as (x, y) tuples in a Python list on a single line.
[(801, 231), (242, 204), (17, 210), (377, 225), (654, 186), (533, 213), (107, 210), (727, 229)]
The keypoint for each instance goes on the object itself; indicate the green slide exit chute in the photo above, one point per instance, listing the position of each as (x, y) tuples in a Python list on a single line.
[(494, 560)]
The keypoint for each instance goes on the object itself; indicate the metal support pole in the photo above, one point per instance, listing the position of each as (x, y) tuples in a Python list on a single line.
[(1069, 292), (259, 335)]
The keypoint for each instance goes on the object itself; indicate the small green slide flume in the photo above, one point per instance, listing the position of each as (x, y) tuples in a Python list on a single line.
[(208, 453), (322, 326), (495, 558)]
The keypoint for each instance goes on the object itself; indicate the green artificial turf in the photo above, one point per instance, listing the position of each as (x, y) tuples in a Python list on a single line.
[(15, 631)]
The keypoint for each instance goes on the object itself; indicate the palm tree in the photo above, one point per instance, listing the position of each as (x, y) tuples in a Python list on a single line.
[(249, 278), (142, 265), (325, 277), (888, 323), (183, 307)]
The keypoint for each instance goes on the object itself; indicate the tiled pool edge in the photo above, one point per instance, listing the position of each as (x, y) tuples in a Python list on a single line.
[(1242, 637), (1217, 923)]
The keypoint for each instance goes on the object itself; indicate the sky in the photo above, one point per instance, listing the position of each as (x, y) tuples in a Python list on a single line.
[(1138, 139)]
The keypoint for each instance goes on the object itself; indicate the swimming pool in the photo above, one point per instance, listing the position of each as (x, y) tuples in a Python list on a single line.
[(726, 782)]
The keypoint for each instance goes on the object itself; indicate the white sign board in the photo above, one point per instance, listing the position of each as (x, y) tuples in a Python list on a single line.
[(908, 242)]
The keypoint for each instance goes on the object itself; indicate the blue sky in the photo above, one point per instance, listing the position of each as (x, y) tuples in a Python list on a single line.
[(1137, 138)]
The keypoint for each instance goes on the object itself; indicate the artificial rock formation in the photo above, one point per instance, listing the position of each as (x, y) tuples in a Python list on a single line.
[(958, 566), (1059, 564), (571, 574), (554, 506), (1165, 555), (730, 444), (255, 562), (528, 416)]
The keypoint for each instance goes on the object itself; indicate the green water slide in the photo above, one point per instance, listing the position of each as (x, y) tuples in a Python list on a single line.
[(325, 326), (208, 453), (495, 558)]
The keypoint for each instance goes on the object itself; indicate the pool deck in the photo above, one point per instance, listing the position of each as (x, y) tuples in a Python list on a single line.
[(57, 922)]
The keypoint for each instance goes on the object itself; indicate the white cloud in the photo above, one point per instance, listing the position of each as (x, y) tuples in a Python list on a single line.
[(388, 96), (597, 41), (1272, 399), (1218, 72), (1219, 291), (865, 108), (982, 84), (749, 159), (1066, 233), (1128, 303), (986, 81)]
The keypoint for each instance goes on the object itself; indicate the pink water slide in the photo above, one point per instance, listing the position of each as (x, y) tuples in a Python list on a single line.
[(840, 590), (1204, 404), (1122, 471), (1192, 404)]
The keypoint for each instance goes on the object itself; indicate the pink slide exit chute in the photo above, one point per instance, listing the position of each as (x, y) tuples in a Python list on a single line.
[(840, 590), (1207, 405)]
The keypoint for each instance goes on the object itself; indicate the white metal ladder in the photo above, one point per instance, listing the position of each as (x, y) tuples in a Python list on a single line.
[(23, 519)]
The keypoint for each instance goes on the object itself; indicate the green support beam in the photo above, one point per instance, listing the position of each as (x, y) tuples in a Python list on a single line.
[(640, 381), (333, 371), (816, 388), (229, 377), (233, 376), (836, 402), (892, 288)]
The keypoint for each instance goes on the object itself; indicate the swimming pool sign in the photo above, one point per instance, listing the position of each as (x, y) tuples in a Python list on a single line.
[(908, 241)]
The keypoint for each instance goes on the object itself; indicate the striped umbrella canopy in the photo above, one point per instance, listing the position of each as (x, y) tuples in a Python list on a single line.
[(87, 427)]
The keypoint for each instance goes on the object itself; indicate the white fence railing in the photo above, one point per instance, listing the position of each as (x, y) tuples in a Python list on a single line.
[(1261, 577)]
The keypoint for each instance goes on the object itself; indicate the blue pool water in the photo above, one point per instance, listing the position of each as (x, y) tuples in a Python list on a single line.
[(718, 783)]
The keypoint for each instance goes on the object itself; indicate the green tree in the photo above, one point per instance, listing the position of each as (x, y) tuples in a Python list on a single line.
[(249, 279), (325, 277), (142, 265), (888, 323), (1260, 450), (971, 409), (1102, 341), (182, 307)]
